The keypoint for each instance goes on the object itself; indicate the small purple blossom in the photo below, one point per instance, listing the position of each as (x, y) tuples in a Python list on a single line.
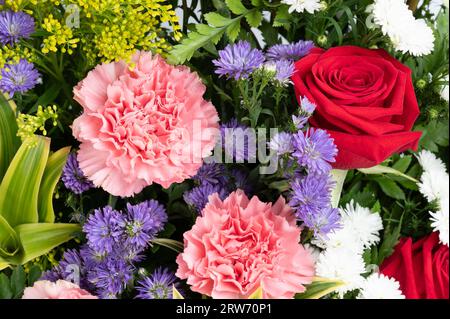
[(281, 144), (157, 286), (73, 177), (238, 61), (104, 229), (111, 277), (15, 26), (315, 150), (20, 77), (241, 181), (307, 107), (323, 221), (239, 142), (142, 223), (199, 196), (311, 194), (300, 121), (292, 52), (284, 71), (212, 173)]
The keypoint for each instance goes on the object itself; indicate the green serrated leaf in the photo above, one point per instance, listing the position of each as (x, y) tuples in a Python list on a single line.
[(282, 17), (233, 30), (52, 173), (216, 20), (5, 287), (254, 18), (319, 288), (236, 6), (9, 142), (18, 281), (390, 188), (19, 189)]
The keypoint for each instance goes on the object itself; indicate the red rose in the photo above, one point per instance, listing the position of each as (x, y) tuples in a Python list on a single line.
[(421, 268), (365, 100)]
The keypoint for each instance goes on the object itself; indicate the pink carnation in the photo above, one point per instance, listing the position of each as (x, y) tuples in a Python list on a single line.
[(143, 125), (59, 290), (239, 245)]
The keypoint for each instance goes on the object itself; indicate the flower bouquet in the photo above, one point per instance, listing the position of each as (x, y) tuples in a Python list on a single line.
[(225, 149)]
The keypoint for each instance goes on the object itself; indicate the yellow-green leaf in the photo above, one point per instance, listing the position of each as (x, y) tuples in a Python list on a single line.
[(9, 244), (52, 173), (339, 177), (39, 239), (258, 294), (176, 294), (236, 6), (319, 288), (19, 189), (9, 142), (380, 170)]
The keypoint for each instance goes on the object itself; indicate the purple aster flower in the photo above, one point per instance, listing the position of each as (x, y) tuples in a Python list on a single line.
[(143, 222), (199, 196), (111, 277), (307, 107), (285, 70), (241, 181), (315, 150), (53, 275), (310, 194), (91, 258), (238, 61), (239, 142), (323, 221), (15, 26), (73, 177), (157, 286), (292, 52), (20, 77), (300, 121), (212, 173), (281, 144), (104, 229)]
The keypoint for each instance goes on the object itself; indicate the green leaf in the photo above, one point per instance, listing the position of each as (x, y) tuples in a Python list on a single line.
[(18, 281), (34, 274), (236, 6), (9, 242), (339, 177), (319, 288), (39, 239), (380, 169), (258, 294), (20, 187), (390, 188), (283, 17), (402, 164), (169, 243), (5, 287), (9, 142), (233, 30), (390, 240), (216, 20), (254, 18), (52, 173), (257, 3)]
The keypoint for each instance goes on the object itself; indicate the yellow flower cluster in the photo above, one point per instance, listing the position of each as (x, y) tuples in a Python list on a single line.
[(29, 124), (10, 54), (61, 36), (17, 5)]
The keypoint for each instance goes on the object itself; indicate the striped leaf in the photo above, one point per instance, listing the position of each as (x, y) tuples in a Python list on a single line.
[(319, 288), (9, 142), (52, 174), (9, 244), (19, 189)]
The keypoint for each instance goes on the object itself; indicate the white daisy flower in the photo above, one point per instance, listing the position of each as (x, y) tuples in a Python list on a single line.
[(440, 221), (303, 5), (378, 286), (342, 265), (434, 183), (430, 162)]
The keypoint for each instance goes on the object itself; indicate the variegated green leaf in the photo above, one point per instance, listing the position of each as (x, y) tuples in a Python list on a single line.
[(176, 294), (169, 243), (9, 142), (339, 177), (52, 173), (9, 244), (380, 170), (19, 189), (319, 288), (39, 239)]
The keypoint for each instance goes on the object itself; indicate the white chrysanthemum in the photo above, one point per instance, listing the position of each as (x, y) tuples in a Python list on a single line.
[(363, 223), (440, 221), (342, 265), (313, 251), (303, 5), (340, 238), (378, 286), (406, 33), (434, 183), (445, 91)]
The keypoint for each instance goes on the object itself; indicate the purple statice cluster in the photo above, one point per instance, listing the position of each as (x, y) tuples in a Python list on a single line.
[(215, 178), (310, 151), (115, 241), (238, 61), (17, 76), (73, 178)]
